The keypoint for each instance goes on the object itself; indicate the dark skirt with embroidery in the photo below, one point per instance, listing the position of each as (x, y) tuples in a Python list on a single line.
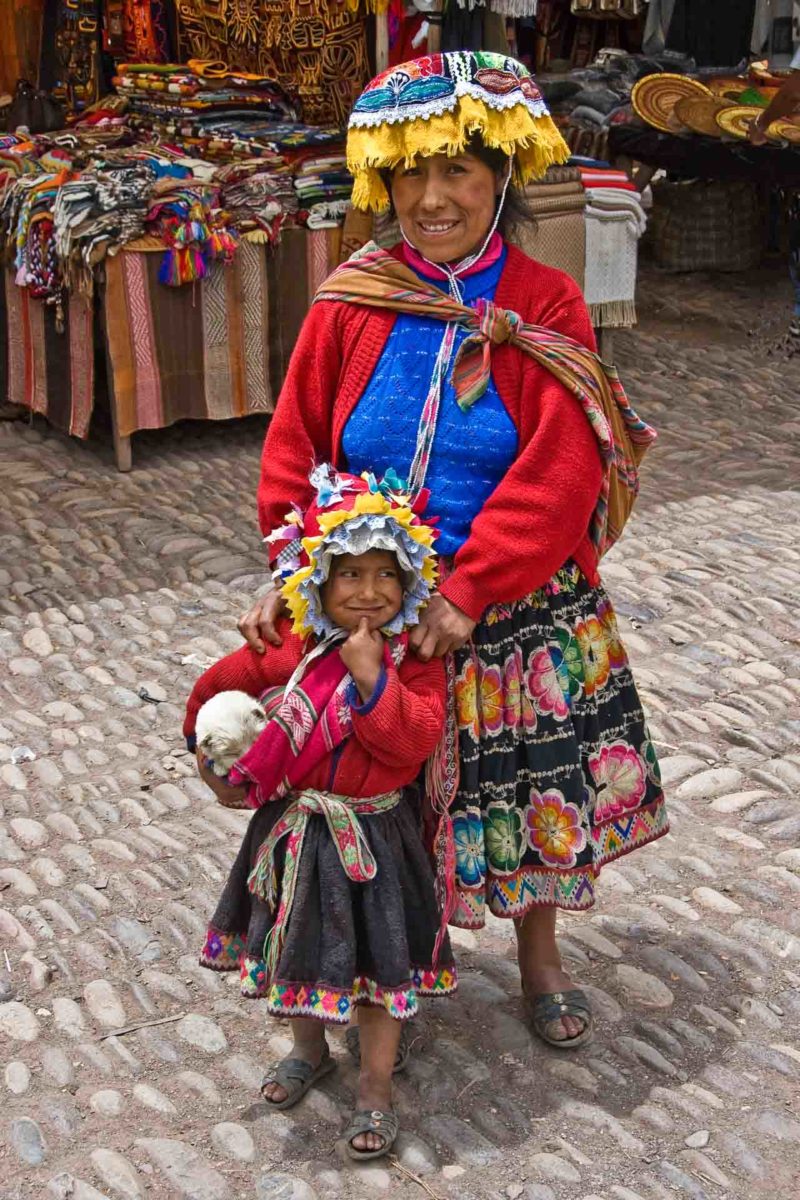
[(558, 772), (346, 943)]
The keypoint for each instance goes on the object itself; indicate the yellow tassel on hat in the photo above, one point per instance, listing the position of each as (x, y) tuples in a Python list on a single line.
[(534, 143)]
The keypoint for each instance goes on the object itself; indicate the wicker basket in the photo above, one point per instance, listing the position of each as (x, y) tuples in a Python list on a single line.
[(707, 226)]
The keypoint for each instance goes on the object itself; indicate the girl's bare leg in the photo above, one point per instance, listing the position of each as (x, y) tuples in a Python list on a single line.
[(380, 1037), (309, 1045)]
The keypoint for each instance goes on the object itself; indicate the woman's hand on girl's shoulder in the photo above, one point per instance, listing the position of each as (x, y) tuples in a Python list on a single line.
[(442, 628), (259, 625)]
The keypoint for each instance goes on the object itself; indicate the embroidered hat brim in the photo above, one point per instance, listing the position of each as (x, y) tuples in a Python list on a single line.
[(352, 515), (435, 105)]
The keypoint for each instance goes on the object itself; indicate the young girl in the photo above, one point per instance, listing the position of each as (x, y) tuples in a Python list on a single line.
[(330, 904)]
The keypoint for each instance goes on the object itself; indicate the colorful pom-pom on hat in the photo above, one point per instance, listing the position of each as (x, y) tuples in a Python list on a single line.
[(435, 105), (352, 514)]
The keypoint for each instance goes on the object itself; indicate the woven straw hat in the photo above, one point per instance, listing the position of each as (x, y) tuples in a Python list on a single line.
[(699, 113), (784, 131), (728, 85), (654, 98), (736, 119)]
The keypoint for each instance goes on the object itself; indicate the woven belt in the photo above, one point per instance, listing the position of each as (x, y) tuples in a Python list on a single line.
[(341, 815)]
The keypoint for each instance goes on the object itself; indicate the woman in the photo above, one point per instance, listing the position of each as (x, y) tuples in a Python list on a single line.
[(557, 771)]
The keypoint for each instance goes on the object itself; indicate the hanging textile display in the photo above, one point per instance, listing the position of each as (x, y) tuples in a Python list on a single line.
[(516, 8), (316, 48), (715, 34), (231, 338), (145, 34), (76, 58)]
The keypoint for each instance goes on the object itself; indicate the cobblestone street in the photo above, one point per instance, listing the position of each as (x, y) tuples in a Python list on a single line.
[(118, 589)]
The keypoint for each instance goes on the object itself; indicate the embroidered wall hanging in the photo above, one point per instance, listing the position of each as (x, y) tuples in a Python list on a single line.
[(316, 49)]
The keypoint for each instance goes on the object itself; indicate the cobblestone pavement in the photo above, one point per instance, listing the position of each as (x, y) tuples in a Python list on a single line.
[(117, 590)]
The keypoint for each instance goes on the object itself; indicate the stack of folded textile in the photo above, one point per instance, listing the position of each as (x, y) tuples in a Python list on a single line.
[(323, 186), (201, 100), (595, 176), (557, 237), (258, 196)]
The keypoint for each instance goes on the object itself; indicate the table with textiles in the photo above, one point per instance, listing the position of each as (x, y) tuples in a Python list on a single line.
[(213, 350)]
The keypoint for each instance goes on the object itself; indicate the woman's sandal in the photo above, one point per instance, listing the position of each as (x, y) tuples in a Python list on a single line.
[(548, 1007), (352, 1040), (384, 1124), (295, 1076)]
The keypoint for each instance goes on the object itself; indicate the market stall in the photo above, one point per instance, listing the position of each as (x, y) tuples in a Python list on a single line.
[(163, 249), (717, 195)]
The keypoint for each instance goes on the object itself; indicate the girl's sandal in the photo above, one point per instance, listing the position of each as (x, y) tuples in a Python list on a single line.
[(295, 1076), (549, 1007), (384, 1124), (352, 1040)]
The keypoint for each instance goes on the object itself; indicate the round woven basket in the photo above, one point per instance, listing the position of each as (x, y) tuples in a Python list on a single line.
[(654, 98), (736, 119), (728, 86), (707, 225), (784, 131), (699, 113)]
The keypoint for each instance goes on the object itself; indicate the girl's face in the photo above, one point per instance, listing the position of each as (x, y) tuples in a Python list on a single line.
[(445, 205), (363, 585)]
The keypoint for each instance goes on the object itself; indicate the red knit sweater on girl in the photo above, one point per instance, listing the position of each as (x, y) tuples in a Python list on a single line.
[(538, 516), (393, 733)]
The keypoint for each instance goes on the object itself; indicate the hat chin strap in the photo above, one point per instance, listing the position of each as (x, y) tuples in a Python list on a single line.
[(451, 273)]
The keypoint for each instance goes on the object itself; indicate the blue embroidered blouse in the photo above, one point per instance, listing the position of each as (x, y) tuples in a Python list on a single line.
[(471, 450)]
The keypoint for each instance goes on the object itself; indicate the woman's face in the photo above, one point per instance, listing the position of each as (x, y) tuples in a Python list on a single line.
[(445, 205)]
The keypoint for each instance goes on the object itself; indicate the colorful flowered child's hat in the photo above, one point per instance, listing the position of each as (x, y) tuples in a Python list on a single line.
[(435, 105), (352, 514)]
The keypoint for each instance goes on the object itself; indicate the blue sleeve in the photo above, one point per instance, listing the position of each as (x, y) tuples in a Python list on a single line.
[(355, 700)]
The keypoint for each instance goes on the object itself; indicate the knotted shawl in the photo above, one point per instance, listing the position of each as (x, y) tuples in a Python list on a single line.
[(372, 277), (306, 722)]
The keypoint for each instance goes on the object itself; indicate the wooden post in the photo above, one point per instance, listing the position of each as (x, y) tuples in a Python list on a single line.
[(123, 452), (435, 28), (20, 41), (606, 340), (381, 41)]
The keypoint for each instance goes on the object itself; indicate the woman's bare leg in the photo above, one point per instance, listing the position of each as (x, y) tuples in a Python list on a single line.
[(540, 964)]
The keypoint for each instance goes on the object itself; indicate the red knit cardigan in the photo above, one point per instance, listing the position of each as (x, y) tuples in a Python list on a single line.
[(393, 733), (538, 515)]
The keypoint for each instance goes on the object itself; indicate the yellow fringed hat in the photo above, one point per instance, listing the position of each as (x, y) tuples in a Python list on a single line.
[(435, 104)]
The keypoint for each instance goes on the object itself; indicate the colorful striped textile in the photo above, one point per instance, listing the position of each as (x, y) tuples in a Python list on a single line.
[(374, 277), (216, 350), (47, 371), (212, 351)]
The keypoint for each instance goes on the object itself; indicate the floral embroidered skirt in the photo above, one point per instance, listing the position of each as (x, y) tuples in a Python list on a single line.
[(346, 943), (558, 772)]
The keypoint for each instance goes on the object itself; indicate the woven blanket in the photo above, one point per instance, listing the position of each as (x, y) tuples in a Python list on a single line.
[(615, 221), (214, 351), (46, 371)]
